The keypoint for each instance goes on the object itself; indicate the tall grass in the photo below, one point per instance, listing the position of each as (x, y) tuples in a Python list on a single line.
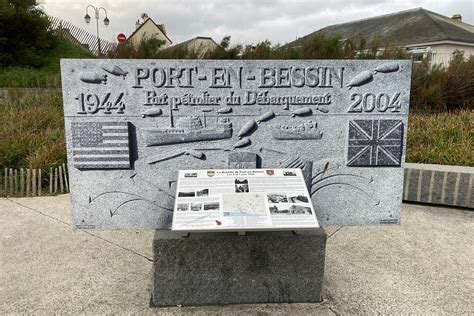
[(32, 132), (441, 138)]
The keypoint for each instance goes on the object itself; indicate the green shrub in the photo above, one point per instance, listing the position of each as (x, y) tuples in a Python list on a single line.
[(48, 76), (440, 89), (225, 50), (29, 49), (25, 38)]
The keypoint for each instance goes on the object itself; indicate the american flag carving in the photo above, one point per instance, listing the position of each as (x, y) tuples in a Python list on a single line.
[(375, 143), (100, 145)]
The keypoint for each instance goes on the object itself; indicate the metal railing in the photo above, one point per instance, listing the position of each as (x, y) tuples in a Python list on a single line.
[(80, 37)]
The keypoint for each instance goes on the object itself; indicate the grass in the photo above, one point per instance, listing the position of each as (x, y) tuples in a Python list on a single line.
[(442, 138), (32, 134), (48, 76)]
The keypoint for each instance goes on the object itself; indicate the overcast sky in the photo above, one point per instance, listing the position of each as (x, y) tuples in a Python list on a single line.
[(247, 21)]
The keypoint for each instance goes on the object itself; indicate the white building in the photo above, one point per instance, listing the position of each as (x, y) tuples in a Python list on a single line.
[(147, 29), (423, 33), (198, 46)]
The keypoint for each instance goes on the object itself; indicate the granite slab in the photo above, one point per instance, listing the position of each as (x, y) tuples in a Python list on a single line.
[(439, 184), (225, 268), (132, 124)]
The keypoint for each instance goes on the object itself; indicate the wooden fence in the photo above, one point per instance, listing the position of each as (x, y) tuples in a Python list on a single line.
[(34, 182), (80, 37)]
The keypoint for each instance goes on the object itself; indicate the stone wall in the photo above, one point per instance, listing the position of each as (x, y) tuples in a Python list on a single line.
[(439, 184)]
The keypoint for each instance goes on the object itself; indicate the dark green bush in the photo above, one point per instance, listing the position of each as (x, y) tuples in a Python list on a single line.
[(441, 89), (24, 35)]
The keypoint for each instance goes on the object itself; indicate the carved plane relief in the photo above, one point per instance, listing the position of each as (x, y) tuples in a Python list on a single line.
[(97, 77), (113, 69)]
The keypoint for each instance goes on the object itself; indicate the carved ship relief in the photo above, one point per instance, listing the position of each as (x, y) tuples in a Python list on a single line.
[(307, 130), (188, 129)]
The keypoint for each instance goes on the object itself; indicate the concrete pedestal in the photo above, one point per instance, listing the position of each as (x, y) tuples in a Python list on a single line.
[(225, 268)]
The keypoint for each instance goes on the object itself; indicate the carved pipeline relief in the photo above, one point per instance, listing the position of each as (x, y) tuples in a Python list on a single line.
[(170, 154), (100, 145), (375, 143), (165, 155)]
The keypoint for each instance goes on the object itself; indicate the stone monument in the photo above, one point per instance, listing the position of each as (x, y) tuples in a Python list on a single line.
[(132, 124)]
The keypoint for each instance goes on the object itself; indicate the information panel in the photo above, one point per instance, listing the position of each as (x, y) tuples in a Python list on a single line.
[(132, 124), (242, 199)]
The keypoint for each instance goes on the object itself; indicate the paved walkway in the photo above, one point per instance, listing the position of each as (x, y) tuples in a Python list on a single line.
[(426, 265)]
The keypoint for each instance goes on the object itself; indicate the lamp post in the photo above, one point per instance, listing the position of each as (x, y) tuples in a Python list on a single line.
[(87, 18)]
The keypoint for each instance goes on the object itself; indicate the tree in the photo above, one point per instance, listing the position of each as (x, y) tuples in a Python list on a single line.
[(262, 50), (322, 47), (25, 37), (225, 51)]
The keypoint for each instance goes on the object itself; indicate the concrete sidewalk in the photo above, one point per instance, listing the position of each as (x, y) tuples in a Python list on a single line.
[(426, 265)]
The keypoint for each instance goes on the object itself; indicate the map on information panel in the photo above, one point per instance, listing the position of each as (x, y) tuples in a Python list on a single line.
[(242, 199)]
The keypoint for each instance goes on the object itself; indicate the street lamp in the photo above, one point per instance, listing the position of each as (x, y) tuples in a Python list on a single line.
[(87, 18)]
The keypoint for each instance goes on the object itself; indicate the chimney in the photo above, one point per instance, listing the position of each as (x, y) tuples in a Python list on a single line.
[(457, 18), (137, 24), (163, 29)]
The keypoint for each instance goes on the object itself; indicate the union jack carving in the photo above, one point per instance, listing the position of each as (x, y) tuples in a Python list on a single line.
[(375, 143)]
